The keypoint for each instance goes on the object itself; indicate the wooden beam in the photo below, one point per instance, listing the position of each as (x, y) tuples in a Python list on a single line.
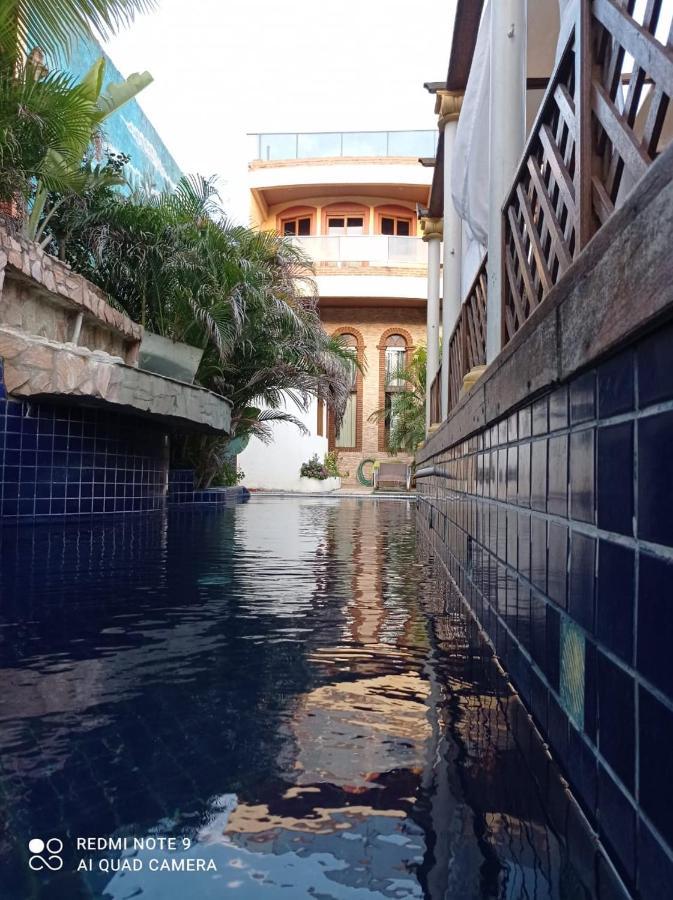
[(465, 29)]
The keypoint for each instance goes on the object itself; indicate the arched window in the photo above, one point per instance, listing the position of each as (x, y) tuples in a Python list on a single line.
[(299, 221), (341, 219), (395, 221), (394, 348), (345, 437), (349, 435)]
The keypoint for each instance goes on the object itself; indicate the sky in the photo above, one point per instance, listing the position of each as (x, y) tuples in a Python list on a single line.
[(222, 69)]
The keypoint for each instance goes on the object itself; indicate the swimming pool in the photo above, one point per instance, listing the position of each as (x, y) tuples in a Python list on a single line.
[(275, 700)]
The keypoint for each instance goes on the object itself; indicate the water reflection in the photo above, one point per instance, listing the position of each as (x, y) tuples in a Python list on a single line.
[(281, 683)]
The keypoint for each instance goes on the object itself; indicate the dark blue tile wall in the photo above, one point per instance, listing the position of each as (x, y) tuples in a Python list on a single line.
[(68, 460), (556, 524), (181, 490)]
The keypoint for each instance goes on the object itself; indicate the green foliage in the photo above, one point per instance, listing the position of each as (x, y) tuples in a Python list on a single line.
[(228, 475), (55, 25), (175, 263), (406, 414), (332, 465), (314, 469)]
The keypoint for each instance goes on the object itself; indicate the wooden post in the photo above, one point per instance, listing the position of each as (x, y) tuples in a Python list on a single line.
[(584, 144)]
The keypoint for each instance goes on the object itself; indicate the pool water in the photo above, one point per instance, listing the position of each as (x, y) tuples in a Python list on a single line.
[(282, 688)]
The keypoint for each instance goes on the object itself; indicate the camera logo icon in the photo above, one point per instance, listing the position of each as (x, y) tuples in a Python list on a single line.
[(45, 854)]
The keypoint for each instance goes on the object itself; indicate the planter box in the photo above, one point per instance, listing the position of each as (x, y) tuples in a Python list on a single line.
[(318, 485), (170, 358)]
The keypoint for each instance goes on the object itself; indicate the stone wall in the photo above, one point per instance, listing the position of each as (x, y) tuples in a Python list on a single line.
[(42, 296), (372, 324)]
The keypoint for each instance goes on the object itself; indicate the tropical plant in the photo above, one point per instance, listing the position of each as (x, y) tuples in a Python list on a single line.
[(39, 116), (406, 413), (314, 469), (332, 465), (177, 265), (64, 171), (55, 25)]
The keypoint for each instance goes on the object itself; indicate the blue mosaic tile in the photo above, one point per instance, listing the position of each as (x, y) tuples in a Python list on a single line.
[(616, 385), (582, 476), (525, 422), (614, 467), (583, 765), (655, 865), (655, 622), (616, 719), (583, 398), (615, 598), (538, 553), (656, 761), (538, 476), (558, 408), (557, 562), (581, 582), (655, 373), (617, 821), (551, 662), (655, 478), (557, 491), (541, 416), (571, 684)]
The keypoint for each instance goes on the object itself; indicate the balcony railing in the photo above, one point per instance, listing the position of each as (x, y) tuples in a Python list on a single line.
[(596, 134), (323, 145), (375, 249)]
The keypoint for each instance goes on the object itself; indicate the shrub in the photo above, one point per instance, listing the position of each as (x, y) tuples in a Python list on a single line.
[(332, 465), (314, 469)]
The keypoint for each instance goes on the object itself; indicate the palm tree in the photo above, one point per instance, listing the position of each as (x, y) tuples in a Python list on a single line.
[(406, 414), (247, 298), (54, 25)]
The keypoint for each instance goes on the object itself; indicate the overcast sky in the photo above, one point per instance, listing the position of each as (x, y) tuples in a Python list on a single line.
[(222, 69)]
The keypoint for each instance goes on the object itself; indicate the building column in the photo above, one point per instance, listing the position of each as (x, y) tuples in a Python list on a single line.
[(507, 138), (448, 106), (432, 235)]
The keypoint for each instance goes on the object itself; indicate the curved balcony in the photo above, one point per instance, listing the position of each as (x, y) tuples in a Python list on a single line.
[(373, 249)]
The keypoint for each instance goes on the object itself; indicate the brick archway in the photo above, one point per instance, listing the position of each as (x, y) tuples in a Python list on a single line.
[(381, 346), (359, 393)]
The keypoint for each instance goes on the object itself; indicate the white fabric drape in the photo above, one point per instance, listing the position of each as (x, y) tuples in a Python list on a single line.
[(469, 174)]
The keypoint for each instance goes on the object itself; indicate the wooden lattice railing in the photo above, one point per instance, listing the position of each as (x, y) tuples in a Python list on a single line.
[(596, 133), (436, 398), (467, 344)]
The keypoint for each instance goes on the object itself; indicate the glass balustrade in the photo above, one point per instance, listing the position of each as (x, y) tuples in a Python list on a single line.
[(317, 145), (378, 249)]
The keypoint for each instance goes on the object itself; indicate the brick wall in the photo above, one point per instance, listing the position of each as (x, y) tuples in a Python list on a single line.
[(556, 523), (372, 324)]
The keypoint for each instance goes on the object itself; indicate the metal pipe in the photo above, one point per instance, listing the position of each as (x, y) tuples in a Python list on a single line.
[(427, 471)]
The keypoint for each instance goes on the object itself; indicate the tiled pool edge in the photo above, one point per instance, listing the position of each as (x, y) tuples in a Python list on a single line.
[(563, 808), (556, 524)]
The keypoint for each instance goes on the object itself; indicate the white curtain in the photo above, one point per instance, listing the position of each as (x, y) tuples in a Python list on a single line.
[(469, 172), (347, 433)]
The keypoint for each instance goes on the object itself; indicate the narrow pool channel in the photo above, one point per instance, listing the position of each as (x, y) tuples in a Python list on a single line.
[(276, 700)]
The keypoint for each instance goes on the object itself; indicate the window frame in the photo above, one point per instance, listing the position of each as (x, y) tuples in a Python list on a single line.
[(397, 213), (344, 211), (294, 213), (357, 390), (394, 331)]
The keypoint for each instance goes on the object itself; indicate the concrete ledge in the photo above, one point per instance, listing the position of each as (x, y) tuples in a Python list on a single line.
[(40, 369), (620, 286)]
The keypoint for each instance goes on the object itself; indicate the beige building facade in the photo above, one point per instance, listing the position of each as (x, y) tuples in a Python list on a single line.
[(354, 205)]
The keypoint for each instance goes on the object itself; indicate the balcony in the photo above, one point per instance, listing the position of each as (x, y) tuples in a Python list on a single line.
[(372, 249), (323, 145)]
